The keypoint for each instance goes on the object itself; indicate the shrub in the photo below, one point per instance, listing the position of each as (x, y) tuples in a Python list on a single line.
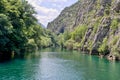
[(114, 24), (103, 48), (79, 33)]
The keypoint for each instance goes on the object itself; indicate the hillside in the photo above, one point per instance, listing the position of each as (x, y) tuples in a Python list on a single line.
[(95, 26), (66, 20)]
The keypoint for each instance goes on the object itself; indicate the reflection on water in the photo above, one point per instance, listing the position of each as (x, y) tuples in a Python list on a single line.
[(54, 64)]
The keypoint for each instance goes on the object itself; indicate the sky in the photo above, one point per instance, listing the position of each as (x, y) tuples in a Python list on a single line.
[(48, 10)]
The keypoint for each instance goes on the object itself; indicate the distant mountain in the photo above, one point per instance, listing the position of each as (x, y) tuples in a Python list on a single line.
[(41, 25)]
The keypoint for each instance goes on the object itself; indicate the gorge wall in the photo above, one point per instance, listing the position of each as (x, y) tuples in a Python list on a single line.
[(102, 18)]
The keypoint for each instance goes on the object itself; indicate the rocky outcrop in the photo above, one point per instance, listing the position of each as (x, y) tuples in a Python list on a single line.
[(102, 32)]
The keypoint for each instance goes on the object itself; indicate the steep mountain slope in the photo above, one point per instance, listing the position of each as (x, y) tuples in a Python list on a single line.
[(66, 20), (102, 18)]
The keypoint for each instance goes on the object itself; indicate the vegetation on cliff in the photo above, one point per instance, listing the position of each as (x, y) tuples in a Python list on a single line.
[(96, 28)]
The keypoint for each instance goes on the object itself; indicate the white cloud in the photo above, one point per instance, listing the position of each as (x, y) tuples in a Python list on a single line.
[(49, 13), (45, 13), (57, 0)]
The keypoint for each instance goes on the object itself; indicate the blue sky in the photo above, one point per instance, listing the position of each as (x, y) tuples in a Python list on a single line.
[(48, 10)]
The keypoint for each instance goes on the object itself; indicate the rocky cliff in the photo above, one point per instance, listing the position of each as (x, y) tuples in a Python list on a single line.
[(102, 18), (66, 20)]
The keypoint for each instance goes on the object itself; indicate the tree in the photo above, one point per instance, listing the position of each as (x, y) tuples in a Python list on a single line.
[(16, 19)]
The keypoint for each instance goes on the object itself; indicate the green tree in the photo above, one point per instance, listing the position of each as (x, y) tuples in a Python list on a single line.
[(16, 19)]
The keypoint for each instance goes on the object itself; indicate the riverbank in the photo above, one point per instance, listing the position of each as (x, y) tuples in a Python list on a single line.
[(107, 56)]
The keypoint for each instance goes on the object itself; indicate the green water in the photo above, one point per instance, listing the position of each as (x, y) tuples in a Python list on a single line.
[(59, 65)]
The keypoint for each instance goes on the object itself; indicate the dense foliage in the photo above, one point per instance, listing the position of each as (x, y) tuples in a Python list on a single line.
[(71, 40), (15, 19), (19, 29)]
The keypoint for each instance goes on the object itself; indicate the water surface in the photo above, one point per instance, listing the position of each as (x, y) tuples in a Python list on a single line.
[(54, 64)]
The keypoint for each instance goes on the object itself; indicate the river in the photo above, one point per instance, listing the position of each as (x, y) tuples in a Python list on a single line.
[(54, 64)]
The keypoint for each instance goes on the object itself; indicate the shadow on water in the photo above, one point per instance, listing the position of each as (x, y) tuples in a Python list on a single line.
[(5, 56)]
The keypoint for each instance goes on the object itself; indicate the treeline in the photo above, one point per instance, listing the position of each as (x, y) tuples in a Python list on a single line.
[(19, 29)]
